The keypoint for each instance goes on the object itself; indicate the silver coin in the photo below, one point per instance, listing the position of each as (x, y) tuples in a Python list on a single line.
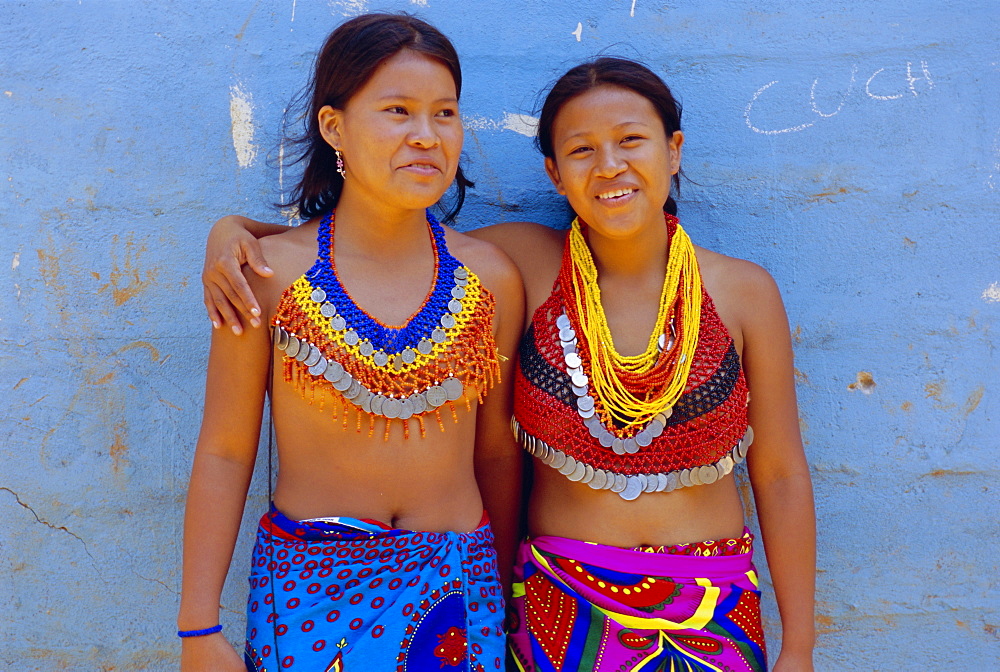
[(568, 348), (567, 335), (447, 320), (453, 388), (737, 458), (409, 356), (458, 292), (418, 403), (344, 383), (354, 390), (567, 468), (438, 335), (650, 482), (720, 468), (572, 371), (694, 475), (305, 349), (337, 323), (313, 357), (589, 413), (727, 465), (644, 437), (351, 337), (562, 322), (618, 445), (661, 341), (376, 404), (580, 379), (319, 368), (573, 360), (588, 475), (555, 458), (461, 272), (425, 346), (283, 339), (595, 429), (318, 295), (620, 482), (673, 482), (455, 306), (380, 358), (661, 418), (362, 397), (397, 362), (708, 474), (741, 449), (631, 447), (684, 477), (632, 489), (661, 482), (592, 422), (391, 408), (580, 391), (578, 472), (585, 403), (436, 396), (334, 372), (366, 348), (748, 437), (683, 359), (599, 479), (655, 428), (366, 405), (328, 310), (405, 409), (292, 347), (606, 438), (462, 282)]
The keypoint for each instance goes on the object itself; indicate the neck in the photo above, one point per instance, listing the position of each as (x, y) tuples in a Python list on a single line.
[(378, 227), (642, 254)]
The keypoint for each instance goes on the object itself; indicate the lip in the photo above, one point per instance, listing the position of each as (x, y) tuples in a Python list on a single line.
[(421, 167)]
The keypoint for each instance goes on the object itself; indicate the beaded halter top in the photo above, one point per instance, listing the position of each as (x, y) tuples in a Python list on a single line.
[(557, 418), (336, 352)]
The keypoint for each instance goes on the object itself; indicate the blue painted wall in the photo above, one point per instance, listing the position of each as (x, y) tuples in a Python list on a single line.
[(851, 148)]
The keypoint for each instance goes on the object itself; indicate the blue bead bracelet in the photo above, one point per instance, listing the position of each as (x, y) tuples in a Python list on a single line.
[(200, 633)]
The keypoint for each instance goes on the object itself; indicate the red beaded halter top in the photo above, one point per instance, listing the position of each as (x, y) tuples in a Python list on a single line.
[(697, 441)]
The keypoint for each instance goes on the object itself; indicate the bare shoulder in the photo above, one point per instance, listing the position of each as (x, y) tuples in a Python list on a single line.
[(518, 239), (494, 267), (290, 253)]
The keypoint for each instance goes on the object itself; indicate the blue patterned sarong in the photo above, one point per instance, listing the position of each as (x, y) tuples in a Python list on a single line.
[(357, 595)]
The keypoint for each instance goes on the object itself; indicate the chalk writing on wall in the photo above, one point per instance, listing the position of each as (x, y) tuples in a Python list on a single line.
[(880, 86)]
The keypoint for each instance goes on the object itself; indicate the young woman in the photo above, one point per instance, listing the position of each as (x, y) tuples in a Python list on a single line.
[(645, 364), (387, 361)]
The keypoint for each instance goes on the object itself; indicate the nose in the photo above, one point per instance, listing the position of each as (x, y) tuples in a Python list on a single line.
[(422, 133), (610, 163)]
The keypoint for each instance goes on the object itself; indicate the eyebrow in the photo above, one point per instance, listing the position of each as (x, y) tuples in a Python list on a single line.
[(403, 96), (616, 126)]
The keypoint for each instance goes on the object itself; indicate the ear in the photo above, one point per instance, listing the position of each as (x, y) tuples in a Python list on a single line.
[(553, 172), (674, 147), (331, 125)]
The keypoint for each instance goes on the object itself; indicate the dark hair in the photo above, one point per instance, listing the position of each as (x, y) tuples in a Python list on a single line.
[(610, 71), (348, 59)]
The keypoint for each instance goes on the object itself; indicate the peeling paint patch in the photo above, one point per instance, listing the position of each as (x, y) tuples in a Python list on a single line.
[(524, 124), (154, 354), (938, 473), (349, 7), (422, 3), (125, 280), (864, 382), (241, 117), (972, 403), (16, 262), (992, 293), (118, 449)]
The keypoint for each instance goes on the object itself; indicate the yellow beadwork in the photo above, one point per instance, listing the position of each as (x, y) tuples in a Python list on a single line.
[(682, 275)]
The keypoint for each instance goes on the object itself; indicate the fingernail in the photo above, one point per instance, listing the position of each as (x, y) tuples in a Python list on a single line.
[(268, 269), (255, 311), (255, 322), (215, 325), (237, 330)]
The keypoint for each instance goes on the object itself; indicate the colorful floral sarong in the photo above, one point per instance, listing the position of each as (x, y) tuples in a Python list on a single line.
[(357, 595), (582, 606)]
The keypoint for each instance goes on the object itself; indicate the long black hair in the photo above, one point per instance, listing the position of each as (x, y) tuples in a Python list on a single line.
[(348, 59), (610, 71)]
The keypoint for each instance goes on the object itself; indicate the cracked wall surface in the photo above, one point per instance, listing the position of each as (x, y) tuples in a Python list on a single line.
[(852, 149)]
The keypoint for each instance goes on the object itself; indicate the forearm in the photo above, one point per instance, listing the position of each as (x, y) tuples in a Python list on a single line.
[(787, 519), (499, 479), (215, 501)]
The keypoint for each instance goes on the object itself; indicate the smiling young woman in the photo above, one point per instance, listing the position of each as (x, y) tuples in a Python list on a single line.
[(386, 365)]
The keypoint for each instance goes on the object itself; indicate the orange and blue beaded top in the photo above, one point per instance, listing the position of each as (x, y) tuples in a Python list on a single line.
[(673, 417), (335, 351)]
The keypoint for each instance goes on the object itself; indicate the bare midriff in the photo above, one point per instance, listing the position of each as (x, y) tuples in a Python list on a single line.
[(416, 483), (563, 508)]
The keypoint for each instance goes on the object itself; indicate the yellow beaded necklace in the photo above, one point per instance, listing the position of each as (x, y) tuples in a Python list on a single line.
[(615, 378)]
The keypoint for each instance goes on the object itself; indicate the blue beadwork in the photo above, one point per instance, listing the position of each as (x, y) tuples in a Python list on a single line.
[(323, 274)]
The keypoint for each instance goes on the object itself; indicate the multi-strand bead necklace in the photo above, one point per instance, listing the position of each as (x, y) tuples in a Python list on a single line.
[(334, 349)]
